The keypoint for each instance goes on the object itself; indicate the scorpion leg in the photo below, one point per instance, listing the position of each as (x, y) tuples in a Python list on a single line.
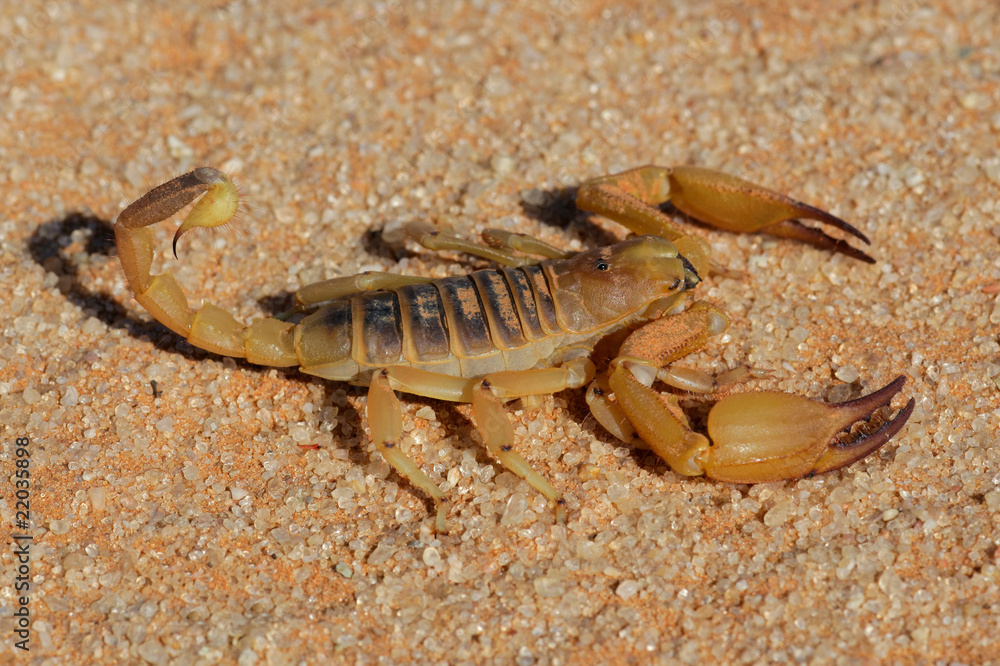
[(607, 412), (498, 245), (441, 241), (522, 243), (487, 396), (752, 437), (723, 201), (385, 419), (494, 424), (317, 294), (498, 435)]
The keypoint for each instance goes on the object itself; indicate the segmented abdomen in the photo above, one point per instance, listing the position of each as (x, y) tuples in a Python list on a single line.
[(471, 325)]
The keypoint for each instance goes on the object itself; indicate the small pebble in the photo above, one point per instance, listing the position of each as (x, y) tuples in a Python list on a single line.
[(848, 374), (431, 557), (30, 396)]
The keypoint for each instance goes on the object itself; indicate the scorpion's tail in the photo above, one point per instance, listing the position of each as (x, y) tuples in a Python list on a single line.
[(265, 341)]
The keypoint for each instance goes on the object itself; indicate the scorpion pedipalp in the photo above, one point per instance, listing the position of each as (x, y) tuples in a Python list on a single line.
[(726, 202), (760, 436)]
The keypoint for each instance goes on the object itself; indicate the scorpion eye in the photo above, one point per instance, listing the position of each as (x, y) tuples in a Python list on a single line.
[(601, 265)]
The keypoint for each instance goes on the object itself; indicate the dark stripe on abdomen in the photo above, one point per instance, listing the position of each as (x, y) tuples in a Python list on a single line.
[(543, 299), (524, 297), (464, 317), (376, 320), (495, 296), (425, 336)]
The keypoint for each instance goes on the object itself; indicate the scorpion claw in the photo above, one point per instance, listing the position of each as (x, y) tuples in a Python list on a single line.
[(818, 238), (874, 432), (734, 204), (759, 437)]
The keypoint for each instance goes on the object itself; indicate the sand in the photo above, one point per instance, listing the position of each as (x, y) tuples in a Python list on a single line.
[(187, 508)]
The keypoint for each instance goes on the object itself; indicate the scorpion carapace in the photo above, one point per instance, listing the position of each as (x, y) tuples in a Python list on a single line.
[(529, 328)]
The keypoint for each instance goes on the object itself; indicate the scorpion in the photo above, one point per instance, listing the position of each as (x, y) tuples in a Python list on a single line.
[(529, 328)]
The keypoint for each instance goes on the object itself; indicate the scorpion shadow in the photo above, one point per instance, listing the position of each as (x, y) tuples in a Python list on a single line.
[(556, 207), (47, 246)]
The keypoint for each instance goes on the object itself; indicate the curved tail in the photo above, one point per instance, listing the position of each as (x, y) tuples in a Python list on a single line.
[(266, 341)]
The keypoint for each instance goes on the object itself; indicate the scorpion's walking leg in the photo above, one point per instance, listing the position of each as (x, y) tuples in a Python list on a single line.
[(727, 202), (499, 245), (486, 395), (316, 295), (522, 243), (494, 424), (385, 419)]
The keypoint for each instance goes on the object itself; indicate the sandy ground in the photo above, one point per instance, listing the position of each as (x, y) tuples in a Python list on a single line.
[(191, 509)]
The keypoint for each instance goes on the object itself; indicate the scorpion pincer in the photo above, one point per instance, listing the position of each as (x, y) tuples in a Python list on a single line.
[(529, 328)]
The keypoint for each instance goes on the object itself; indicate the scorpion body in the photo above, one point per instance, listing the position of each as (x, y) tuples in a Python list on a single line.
[(492, 320), (530, 327)]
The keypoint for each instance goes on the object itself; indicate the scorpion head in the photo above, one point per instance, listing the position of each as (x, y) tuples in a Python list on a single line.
[(605, 285)]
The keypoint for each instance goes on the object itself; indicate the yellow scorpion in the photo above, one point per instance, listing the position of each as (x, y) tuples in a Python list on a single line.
[(530, 327)]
